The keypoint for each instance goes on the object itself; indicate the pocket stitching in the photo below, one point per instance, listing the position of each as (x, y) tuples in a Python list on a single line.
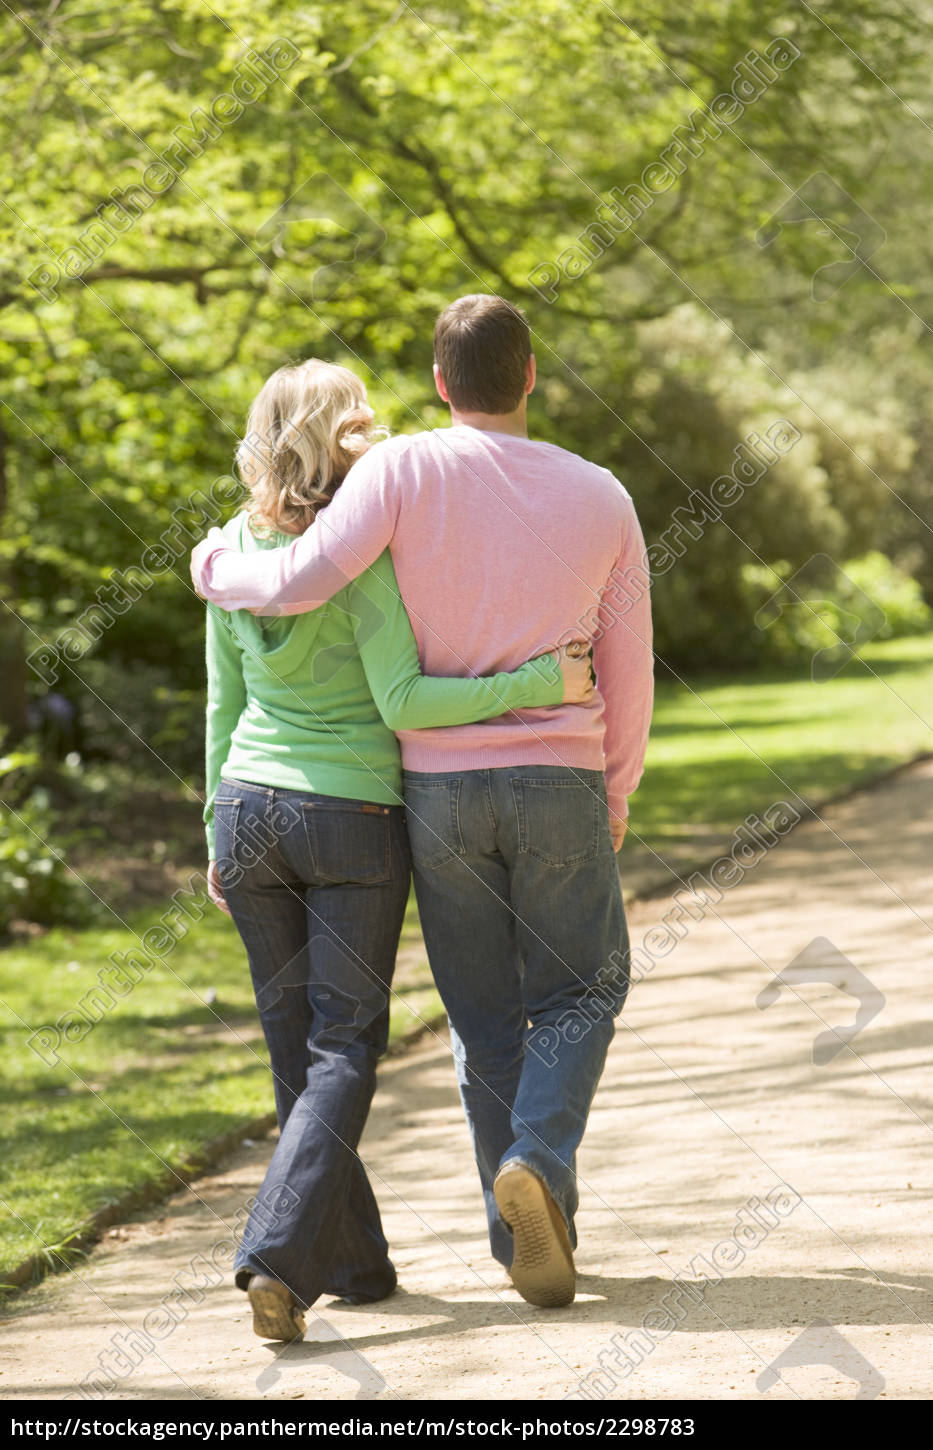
[(308, 809), (579, 858), (230, 860), (450, 853), (348, 807)]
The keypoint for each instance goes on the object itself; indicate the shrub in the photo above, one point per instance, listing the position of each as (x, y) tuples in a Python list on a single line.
[(830, 610), (35, 883), (141, 717)]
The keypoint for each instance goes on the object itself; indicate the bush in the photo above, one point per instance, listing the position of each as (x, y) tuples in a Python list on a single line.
[(827, 611), (896, 593), (140, 717), (35, 884)]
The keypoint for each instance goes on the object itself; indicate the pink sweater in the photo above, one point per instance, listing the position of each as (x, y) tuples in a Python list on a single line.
[(503, 547)]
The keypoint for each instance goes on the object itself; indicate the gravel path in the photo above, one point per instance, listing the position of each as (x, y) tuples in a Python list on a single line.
[(711, 1098)]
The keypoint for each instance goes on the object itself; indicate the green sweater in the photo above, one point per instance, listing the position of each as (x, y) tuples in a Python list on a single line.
[(309, 702)]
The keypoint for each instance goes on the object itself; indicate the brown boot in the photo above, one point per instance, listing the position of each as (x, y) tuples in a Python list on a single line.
[(275, 1313), (542, 1263)]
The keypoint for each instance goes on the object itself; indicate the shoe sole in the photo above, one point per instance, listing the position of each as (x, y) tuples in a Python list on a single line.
[(542, 1264), (273, 1316)]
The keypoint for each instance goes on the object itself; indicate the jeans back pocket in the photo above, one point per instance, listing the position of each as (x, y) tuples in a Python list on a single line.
[(559, 821), (432, 810), (350, 841)]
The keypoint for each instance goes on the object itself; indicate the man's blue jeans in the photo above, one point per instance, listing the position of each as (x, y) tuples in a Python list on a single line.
[(521, 907), (317, 887)]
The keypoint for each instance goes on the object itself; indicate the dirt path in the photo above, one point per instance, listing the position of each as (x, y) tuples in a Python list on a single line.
[(709, 1100)]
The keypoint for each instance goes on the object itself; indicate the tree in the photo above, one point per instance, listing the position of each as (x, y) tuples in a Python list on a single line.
[(193, 198)]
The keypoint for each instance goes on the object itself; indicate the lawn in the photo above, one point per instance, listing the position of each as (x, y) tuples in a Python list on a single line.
[(152, 1081), (165, 1072), (723, 748)]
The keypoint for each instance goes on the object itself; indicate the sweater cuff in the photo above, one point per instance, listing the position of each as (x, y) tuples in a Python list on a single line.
[(543, 681), (618, 806)]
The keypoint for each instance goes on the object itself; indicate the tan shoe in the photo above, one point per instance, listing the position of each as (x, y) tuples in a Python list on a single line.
[(275, 1313), (542, 1263)]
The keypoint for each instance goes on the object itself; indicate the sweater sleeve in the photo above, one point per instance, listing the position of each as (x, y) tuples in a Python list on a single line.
[(345, 538), (624, 663), (407, 699), (226, 698)]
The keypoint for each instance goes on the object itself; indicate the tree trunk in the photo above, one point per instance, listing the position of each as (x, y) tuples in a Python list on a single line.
[(12, 654)]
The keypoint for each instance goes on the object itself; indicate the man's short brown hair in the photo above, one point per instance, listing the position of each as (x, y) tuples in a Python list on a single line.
[(481, 348)]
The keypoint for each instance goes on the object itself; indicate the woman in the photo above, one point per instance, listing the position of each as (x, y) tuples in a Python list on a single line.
[(307, 839)]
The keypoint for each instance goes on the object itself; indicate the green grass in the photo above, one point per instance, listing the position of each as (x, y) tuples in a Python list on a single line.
[(724, 748), (163, 1073), (153, 1080)]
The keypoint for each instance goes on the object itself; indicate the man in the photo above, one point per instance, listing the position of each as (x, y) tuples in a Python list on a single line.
[(502, 546)]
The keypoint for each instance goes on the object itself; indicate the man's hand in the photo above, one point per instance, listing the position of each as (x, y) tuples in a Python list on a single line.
[(214, 889), (617, 830), (577, 672)]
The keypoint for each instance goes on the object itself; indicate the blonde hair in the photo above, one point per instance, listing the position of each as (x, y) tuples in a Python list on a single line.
[(307, 426)]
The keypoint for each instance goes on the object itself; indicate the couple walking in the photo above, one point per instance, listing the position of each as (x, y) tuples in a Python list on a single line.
[(445, 592)]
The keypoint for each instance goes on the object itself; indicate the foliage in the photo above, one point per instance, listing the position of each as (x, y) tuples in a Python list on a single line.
[(35, 883), (868, 598), (138, 716), (900, 597), (433, 150)]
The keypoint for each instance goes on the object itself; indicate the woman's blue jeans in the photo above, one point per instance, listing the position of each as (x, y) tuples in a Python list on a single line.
[(317, 887)]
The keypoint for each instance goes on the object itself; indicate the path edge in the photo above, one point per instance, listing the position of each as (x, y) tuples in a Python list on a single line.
[(808, 811), (32, 1270), (36, 1267)]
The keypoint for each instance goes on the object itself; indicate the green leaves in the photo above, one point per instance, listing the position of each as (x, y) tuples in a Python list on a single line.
[(147, 290)]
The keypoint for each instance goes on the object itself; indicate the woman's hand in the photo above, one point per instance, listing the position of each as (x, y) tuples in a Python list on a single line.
[(577, 673), (215, 890)]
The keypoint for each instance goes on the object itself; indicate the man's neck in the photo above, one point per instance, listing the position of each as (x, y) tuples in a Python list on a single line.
[(515, 423)]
